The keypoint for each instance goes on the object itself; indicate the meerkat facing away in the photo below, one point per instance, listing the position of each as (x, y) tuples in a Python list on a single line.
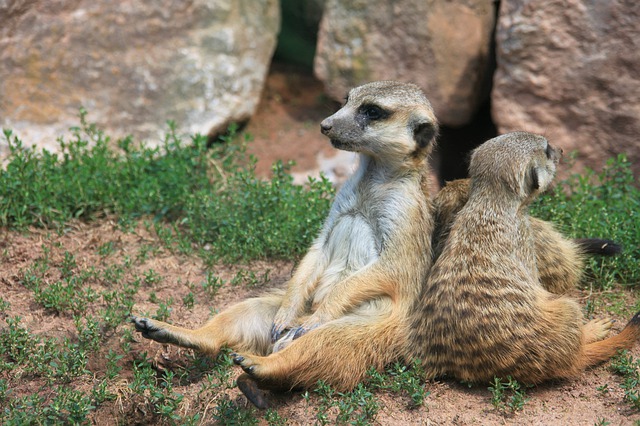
[(482, 311), (560, 260), (347, 303)]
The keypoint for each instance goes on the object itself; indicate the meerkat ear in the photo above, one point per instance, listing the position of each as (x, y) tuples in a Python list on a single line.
[(424, 132), (535, 179), (541, 178)]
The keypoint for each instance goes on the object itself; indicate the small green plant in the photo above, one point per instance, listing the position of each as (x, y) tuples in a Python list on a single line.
[(151, 277), (358, 407), (101, 393), (629, 368), (212, 284), (604, 389), (89, 332), (249, 278), (4, 306), (68, 264), (189, 300), (507, 395), (273, 418), (164, 310), (113, 368), (107, 249), (401, 378), (228, 413)]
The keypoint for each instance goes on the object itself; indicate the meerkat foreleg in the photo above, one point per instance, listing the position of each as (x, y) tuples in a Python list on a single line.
[(297, 294), (365, 285)]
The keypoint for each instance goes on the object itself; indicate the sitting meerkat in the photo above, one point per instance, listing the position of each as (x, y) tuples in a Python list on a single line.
[(346, 305), (560, 260), (482, 311)]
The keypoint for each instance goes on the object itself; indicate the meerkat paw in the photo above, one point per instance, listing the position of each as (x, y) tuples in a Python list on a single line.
[(285, 340), (597, 329), (303, 329), (249, 364), (152, 330), (283, 322), (277, 329), (313, 322)]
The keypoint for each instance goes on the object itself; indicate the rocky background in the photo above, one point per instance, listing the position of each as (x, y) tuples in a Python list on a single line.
[(567, 69)]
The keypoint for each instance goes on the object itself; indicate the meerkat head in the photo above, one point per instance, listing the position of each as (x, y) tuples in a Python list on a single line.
[(522, 162), (384, 119)]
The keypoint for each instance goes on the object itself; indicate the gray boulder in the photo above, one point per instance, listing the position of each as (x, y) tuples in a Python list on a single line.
[(132, 64), (571, 70)]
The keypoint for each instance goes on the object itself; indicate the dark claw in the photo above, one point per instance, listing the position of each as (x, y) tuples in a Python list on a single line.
[(249, 370), (276, 332), (238, 359), (141, 324), (300, 331)]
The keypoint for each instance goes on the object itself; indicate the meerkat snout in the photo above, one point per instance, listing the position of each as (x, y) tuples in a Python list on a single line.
[(325, 126)]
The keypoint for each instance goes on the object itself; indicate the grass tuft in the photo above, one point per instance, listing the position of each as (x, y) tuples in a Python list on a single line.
[(600, 205)]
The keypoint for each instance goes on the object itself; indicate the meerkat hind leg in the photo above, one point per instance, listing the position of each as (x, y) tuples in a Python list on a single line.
[(162, 332), (244, 326)]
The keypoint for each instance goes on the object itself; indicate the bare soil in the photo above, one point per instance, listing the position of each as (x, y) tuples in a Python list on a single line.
[(286, 127)]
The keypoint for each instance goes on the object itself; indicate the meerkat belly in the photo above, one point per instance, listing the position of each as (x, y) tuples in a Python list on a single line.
[(351, 246)]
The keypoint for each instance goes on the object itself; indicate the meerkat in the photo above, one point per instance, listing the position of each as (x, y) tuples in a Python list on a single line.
[(560, 260), (347, 304), (482, 312)]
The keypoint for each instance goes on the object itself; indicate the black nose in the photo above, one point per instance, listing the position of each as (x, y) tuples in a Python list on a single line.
[(325, 126)]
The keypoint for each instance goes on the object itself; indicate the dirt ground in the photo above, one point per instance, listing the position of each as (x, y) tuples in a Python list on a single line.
[(286, 127)]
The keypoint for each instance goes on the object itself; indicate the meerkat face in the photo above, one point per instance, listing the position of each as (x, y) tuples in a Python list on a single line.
[(383, 119), (523, 162)]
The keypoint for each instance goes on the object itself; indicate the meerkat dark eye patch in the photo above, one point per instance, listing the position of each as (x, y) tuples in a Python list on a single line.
[(368, 113), (372, 112)]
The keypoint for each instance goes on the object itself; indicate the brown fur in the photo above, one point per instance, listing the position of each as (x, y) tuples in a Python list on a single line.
[(483, 312), (347, 305), (560, 261)]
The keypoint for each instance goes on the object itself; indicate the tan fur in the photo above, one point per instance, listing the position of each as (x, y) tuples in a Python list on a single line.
[(560, 261), (483, 312), (350, 298)]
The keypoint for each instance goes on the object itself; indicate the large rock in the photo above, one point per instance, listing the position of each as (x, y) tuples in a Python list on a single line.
[(443, 46), (132, 64), (570, 70)]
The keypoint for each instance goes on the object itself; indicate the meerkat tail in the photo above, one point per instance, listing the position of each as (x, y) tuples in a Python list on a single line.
[(599, 246), (250, 389), (601, 351)]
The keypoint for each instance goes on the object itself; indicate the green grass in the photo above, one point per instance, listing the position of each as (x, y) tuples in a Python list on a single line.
[(603, 204), (197, 196), (628, 368)]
